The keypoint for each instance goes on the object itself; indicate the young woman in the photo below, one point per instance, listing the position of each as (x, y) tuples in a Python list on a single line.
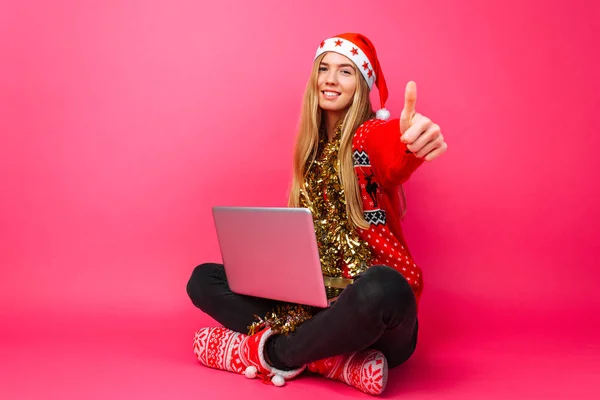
[(349, 165)]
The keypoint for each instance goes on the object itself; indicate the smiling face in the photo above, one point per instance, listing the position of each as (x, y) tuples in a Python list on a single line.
[(336, 83)]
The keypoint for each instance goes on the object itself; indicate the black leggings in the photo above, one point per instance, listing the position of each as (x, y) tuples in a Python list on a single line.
[(377, 311)]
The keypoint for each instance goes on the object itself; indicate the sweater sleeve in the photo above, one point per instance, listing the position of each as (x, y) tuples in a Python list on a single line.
[(390, 161)]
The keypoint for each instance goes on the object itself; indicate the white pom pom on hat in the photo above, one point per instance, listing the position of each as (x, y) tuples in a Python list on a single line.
[(383, 114), (361, 51)]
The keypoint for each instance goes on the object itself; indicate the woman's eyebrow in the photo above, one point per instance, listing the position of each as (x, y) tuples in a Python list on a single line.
[(340, 65)]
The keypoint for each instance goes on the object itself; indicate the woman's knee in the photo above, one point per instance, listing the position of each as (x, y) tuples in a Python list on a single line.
[(202, 278), (384, 286), (400, 357)]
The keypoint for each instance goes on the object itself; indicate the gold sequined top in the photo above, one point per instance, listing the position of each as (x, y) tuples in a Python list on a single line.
[(341, 251)]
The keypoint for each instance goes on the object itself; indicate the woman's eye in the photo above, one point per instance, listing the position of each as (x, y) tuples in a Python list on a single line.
[(322, 69), (346, 72)]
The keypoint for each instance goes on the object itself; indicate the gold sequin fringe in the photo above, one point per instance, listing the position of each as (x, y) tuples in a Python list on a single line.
[(338, 242), (284, 319)]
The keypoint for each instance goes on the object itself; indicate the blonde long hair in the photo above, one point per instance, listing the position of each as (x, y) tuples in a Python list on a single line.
[(307, 143)]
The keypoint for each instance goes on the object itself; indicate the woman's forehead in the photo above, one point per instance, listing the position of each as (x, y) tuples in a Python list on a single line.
[(336, 58)]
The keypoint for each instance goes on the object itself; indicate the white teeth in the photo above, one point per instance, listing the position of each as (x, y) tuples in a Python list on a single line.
[(331, 94)]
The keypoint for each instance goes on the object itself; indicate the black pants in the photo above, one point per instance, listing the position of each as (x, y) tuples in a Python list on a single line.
[(377, 311)]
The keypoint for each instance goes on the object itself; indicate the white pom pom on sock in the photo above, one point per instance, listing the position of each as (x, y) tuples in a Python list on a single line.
[(250, 372), (278, 380)]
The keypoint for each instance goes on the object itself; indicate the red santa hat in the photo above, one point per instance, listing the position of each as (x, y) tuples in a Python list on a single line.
[(361, 51)]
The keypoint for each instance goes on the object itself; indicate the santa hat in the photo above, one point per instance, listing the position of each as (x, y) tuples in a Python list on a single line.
[(361, 51)]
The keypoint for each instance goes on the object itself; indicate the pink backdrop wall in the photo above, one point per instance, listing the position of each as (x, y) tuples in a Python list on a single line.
[(122, 123)]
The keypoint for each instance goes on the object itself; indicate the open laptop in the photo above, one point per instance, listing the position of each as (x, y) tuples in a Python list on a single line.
[(271, 253)]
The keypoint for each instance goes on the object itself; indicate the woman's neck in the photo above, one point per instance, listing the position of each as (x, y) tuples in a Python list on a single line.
[(332, 120)]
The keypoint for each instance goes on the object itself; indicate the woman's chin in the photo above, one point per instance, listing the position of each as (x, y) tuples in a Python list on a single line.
[(332, 107)]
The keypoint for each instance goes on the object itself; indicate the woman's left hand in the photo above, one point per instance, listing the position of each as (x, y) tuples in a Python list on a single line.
[(422, 136)]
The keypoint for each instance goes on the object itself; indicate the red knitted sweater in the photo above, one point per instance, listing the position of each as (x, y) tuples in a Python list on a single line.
[(382, 163)]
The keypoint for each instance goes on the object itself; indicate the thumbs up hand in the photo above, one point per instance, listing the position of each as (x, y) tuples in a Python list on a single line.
[(422, 137)]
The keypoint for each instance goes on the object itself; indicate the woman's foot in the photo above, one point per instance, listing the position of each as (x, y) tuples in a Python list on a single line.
[(365, 370), (222, 348)]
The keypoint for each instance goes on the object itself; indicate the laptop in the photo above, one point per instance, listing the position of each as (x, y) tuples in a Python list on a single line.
[(271, 253)]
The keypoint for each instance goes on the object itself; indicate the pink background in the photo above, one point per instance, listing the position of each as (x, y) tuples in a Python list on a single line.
[(122, 123)]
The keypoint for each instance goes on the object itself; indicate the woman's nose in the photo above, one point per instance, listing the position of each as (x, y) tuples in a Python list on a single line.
[(331, 78)]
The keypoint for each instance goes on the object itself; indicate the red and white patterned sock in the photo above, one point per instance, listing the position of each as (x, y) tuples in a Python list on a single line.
[(365, 370), (224, 349)]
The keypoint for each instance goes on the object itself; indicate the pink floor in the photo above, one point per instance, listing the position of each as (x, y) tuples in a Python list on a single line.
[(499, 355)]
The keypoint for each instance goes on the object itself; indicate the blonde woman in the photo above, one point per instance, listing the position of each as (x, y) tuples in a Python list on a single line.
[(349, 165)]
